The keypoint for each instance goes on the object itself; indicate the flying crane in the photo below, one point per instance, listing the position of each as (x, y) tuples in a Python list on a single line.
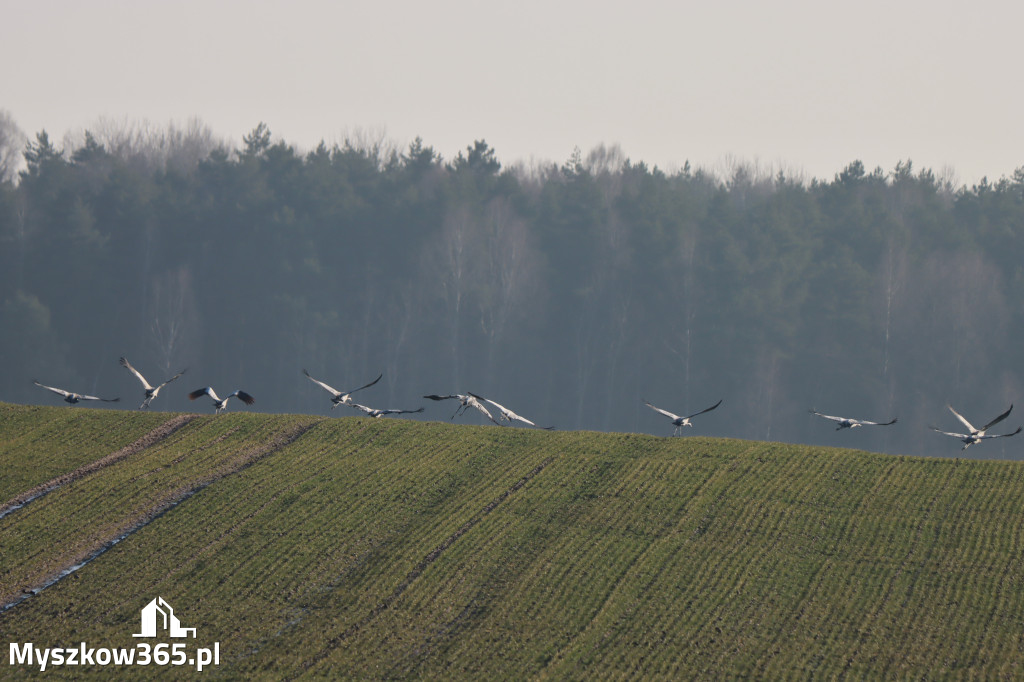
[(677, 421), (340, 397), (377, 414), (976, 435), (465, 401), (507, 415), (849, 423), (71, 397), (218, 403), (151, 391)]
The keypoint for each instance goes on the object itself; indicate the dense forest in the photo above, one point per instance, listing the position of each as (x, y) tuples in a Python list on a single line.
[(567, 291)]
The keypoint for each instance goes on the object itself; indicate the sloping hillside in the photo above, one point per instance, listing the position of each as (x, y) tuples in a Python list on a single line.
[(357, 548)]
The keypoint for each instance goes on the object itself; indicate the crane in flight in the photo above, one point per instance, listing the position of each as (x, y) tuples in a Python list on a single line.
[(849, 423), (678, 421), (71, 397), (340, 397), (465, 401), (505, 414), (218, 403), (377, 414), (976, 435), (151, 391)]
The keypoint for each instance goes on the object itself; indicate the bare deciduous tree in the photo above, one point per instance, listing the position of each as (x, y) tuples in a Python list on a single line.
[(511, 267), (173, 316), (12, 143), (397, 323), (457, 260), (684, 292), (893, 275), (374, 145), (958, 311), (604, 160), (149, 148)]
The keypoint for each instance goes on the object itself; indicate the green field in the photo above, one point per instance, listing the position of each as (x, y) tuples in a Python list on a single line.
[(368, 549)]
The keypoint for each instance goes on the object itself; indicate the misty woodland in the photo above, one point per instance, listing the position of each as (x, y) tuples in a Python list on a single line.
[(573, 290)]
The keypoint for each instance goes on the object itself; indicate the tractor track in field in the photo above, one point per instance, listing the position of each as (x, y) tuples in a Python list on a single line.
[(312, 474), (700, 511), (299, 613), (420, 567), (240, 462), (155, 436)]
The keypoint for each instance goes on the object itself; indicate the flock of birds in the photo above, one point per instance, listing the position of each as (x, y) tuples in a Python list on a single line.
[(505, 416), (972, 437)]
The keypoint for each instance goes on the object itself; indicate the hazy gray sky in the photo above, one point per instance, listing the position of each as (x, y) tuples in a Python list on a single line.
[(795, 84)]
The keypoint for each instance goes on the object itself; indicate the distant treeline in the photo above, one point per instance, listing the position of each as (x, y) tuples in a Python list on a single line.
[(567, 292)]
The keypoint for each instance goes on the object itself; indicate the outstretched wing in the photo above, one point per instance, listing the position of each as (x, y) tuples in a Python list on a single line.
[(138, 375), (706, 409), (329, 389), (949, 433), (503, 412), (244, 397), (362, 408), (970, 427), (402, 411), (661, 411), (203, 391), (58, 391), (92, 397), (477, 405), (867, 423), (1004, 435), (827, 416), (367, 385), (441, 397), (509, 414), (173, 378), (998, 419), (513, 415)]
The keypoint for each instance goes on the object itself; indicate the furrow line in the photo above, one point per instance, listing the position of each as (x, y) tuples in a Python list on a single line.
[(597, 619), (155, 436), (173, 499), (420, 567), (279, 491), (298, 613)]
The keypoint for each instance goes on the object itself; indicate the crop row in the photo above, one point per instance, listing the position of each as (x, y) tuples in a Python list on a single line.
[(39, 443), (74, 521), (355, 548)]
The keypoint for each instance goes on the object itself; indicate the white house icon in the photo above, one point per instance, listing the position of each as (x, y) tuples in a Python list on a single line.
[(170, 621)]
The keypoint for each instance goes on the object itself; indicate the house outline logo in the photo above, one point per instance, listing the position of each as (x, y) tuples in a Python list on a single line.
[(170, 622)]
